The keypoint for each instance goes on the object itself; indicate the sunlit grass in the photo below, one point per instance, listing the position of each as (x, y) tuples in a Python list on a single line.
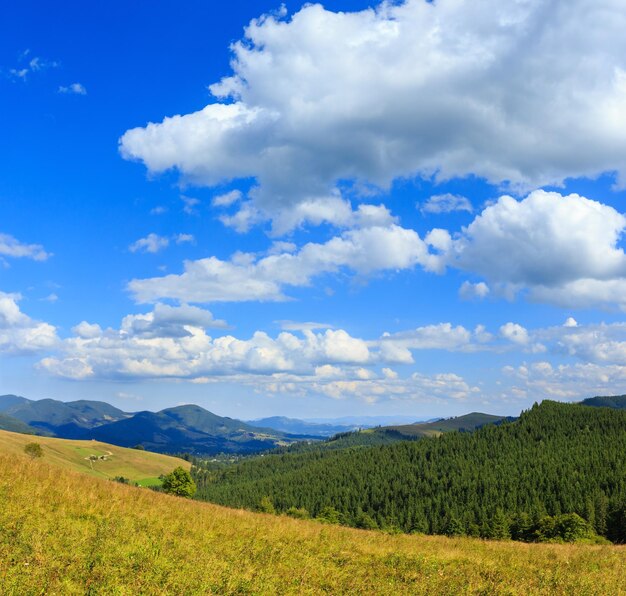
[(134, 464), (66, 533)]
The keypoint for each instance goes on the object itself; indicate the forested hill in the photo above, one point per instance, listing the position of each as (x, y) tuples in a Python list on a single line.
[(499, 481), (606, 401)]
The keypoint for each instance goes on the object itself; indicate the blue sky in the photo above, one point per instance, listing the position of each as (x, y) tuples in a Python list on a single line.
[(410, 208)]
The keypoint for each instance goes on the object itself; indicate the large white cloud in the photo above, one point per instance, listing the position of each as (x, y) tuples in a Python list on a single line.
[(245, 277), (19, 334), (173, 342), (564, 249), (527, 92)]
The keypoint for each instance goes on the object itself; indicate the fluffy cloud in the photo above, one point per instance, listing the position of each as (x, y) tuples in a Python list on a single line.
[(528, 93), (246, 277), (541, 380), (19, 334), (562, 249), (152, 243), (172, 342), (11, 247)]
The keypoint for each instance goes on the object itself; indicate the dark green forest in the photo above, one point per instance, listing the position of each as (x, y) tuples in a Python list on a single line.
[(556, 473)]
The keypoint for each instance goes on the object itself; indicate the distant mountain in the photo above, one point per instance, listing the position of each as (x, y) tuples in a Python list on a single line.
[(368, 421), (609, 401), (302, 427), (63, 419), (189, 429), (387, 435), (15, 426), (466, 423)]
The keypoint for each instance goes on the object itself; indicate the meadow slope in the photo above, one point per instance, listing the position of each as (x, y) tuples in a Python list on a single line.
[(139, 466), (66, 533)]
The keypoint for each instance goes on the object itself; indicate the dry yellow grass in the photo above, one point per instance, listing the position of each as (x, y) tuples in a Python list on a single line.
[(133, 464), (66, 533)]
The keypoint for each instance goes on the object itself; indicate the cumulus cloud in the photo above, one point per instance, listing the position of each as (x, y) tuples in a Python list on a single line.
[(246, 277), (542, 380), (172, 342), (562, 249), (19, 334), (11, 247), (446, 203), (526, 94)]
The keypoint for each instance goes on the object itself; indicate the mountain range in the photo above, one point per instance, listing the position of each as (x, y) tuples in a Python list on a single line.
[(192, 429), (187, 428)]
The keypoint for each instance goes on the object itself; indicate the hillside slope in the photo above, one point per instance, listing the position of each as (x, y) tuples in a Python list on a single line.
[(138, 466), (190, 429), (82, 535), (557, 458), (14, 425), (607, 401)]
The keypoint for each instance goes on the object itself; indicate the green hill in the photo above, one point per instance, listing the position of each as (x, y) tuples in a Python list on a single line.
[(555, 459), (65, 533), (64, 419), (466, 423), (609, 401), (94, 458), (190, 429), (14, 425)]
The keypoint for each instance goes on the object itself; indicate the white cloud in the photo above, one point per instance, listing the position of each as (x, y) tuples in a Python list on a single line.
[(172, 342), (570, 322), (184, 239), (227, 199), (514, 333), (189, 205), (446, 203), (529, 94), (11, 247), (28, 66), (73, 89), (159, 210), (563, 249), (245, 277), (469, 291), (541, 380), (19, 334), (152, 243)]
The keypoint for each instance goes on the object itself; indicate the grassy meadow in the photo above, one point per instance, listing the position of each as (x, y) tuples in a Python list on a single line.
[(62, 532), (138, 466)]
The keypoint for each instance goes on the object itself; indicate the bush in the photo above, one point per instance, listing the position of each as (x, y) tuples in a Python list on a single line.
[(34, 450)]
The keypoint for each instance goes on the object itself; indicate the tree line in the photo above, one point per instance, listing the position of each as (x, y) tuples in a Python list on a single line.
[(557, 473)]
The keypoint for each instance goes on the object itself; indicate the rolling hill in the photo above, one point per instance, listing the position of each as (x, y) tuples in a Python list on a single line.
[(138, 466), (15, 425), (465, 423), (609, 401), (82, 535), (189, 429), (63, 419), (555, 459), (186, 428)]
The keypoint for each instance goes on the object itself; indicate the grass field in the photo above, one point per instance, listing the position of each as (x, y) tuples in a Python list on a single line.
[(66, 533), (139, 466)]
